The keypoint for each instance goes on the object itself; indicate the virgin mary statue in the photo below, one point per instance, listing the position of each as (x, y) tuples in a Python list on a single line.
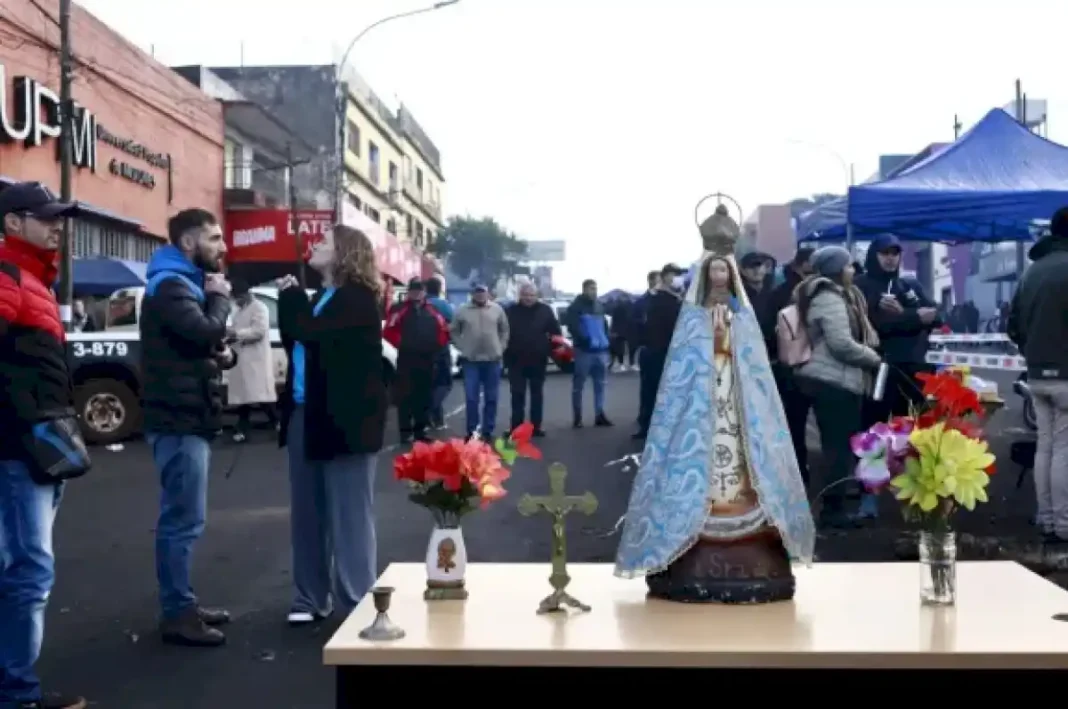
[(718, 508)]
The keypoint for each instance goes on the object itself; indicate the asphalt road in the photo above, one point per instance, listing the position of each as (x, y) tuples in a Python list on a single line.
[(101, 637)]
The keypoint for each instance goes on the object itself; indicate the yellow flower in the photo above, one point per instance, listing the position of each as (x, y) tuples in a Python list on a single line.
[(948, 465)]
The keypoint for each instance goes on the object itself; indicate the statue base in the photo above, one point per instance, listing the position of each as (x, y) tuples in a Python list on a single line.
[(751, 570)]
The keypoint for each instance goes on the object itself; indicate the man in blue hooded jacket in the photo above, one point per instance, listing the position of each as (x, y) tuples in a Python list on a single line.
[(183, 353), (903, 317), (588, 327)]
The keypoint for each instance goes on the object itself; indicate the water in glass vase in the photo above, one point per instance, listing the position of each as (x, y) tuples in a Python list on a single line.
[(938, 568)]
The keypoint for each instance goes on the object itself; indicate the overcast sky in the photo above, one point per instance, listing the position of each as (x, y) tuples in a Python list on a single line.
[(602, 122)]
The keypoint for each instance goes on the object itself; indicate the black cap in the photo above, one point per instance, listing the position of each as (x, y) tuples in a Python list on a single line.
[(479, 288), (33, 199), (754, 259), (415, 284), (672, 268)]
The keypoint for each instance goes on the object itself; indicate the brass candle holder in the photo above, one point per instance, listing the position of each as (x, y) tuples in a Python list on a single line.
[(382, 628)]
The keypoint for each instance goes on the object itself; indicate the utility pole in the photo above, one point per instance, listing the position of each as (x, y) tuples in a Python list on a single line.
[(1021, 116), (294, 226), (66, 134), (956, 126)]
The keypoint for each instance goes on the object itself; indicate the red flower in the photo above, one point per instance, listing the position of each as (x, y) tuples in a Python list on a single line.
[(521, 440), (952, 398)]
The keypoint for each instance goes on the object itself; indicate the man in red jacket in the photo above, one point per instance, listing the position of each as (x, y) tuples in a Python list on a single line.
[(34, 383)]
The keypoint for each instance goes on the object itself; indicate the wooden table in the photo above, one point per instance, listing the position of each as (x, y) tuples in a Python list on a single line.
[(861, 617)]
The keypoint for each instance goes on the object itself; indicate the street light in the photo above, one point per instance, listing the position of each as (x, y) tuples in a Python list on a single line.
[(847, 169), (341, 97)]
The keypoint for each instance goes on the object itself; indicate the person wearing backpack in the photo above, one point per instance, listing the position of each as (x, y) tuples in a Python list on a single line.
[(838, 374), (795, 404), (480, 331), (419, 332)]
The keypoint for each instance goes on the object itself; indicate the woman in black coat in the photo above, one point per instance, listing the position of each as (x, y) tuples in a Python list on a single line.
[(333, 420)]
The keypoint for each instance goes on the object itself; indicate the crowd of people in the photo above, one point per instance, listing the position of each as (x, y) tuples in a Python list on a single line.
[(332, 412)]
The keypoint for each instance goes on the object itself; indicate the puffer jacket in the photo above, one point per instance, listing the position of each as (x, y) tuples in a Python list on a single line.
[(839, 358)]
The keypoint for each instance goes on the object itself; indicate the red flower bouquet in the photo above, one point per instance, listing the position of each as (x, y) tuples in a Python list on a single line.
[(454, 477)]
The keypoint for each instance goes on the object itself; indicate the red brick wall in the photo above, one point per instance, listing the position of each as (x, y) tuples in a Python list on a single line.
[(133, 97)]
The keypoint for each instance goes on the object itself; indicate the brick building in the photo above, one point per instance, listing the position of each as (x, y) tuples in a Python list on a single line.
[(147, 143)]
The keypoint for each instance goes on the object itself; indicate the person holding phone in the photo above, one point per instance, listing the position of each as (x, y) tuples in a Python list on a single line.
[(903, 316)]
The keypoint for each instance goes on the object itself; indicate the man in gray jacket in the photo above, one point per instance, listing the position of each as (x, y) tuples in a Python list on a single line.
[(480, 332)]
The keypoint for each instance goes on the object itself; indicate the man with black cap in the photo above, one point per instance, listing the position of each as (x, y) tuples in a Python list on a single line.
[(655, 337), (904, 317), (419, 332), (34, 385)]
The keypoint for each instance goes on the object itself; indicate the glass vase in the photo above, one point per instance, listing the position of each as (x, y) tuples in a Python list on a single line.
[(938, 568)]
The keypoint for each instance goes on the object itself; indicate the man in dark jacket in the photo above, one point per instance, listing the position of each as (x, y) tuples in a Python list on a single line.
[(1038, 324), (640, 310), (903, 317), (531, 325), (589, 334), (419, 332), (34, 385), (655, 338), (183, 355), (794, 403)]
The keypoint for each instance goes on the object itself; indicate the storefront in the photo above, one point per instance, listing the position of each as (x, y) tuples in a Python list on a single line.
[(146, 143), (263, 244)]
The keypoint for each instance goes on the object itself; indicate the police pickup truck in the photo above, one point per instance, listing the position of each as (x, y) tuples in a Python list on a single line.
[(105, 366)]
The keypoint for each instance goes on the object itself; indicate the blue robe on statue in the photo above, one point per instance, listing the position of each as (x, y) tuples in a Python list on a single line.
[(669, 500)]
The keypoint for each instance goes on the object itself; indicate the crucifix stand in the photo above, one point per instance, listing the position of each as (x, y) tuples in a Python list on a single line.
[(558, 505)]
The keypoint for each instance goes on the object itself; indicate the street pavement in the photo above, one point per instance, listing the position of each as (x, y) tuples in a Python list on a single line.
[(101, 638)]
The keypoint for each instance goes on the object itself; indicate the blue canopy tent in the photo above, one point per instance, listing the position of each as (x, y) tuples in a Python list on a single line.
[(104, 276), (993, 184), (826, 222)]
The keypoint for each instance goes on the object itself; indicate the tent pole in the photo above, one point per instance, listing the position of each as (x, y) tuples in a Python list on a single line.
[(849, 224)]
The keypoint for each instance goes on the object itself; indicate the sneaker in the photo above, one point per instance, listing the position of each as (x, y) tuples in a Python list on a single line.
[(297, 618), (239, 438), (538, 433), (602, 421), (55, 701), (577, 423), (189, 630)]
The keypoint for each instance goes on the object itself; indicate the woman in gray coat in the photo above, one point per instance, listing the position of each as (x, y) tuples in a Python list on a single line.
[(839, 375)]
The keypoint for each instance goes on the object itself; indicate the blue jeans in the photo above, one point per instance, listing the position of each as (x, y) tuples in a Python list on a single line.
[(592, 365), (482, 378), (182, 462), (332, 526), (27, 571)]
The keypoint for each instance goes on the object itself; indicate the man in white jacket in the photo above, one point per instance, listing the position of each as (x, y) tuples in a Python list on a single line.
[(251, 384)]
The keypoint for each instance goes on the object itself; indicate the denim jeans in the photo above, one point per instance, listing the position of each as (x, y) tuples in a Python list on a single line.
[(182, 462), (1051, 454), (592, 365), (482, 378), (27, 571), (332, 526)]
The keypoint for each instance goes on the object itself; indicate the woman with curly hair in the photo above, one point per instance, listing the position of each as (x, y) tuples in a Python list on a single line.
[(333, 419)]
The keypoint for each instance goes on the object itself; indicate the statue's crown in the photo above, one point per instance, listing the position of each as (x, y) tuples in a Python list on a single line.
[(719, 232)]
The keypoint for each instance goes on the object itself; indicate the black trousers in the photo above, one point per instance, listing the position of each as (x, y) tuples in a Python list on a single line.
[(652, 368), (520, 378), (415, 387), (244, 415), (838, 416), (796, 405)]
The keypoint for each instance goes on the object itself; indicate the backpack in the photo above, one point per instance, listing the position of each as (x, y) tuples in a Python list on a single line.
[(795, 348), (423, 331)]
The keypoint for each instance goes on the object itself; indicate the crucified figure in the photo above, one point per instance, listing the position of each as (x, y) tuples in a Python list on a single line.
[(558, 504)]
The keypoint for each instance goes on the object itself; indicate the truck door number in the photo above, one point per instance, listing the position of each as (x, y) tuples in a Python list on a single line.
[(100, 349)]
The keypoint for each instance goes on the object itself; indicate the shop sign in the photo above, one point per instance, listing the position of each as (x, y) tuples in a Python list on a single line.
[(270, 235), (33, 117)]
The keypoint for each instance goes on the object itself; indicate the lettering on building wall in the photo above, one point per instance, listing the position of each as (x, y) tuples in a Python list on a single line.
[(34, 117), (251, 237), (131, 173), (133, 148)]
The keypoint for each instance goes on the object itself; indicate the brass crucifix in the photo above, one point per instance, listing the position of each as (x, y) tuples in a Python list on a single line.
[(558, 505)]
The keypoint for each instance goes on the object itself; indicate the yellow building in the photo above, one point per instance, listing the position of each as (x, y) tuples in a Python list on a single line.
[(392, 169)]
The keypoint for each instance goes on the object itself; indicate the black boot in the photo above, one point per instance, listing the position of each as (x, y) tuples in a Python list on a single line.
[(602, 421), (214, 616), (190, 630)]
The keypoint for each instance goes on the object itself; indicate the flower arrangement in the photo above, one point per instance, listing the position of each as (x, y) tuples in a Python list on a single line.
[(454, 477), (937, 459)]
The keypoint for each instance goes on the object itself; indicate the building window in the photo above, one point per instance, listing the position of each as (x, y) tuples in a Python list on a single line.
[(373, 172), (391, 226), (355, 201), (418, 233), (408, 225), (374, 214), (429, 237), (393, 177), (353, 138), (419, 181)]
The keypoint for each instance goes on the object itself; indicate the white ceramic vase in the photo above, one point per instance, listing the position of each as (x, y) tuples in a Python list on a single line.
[(446, 558)]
